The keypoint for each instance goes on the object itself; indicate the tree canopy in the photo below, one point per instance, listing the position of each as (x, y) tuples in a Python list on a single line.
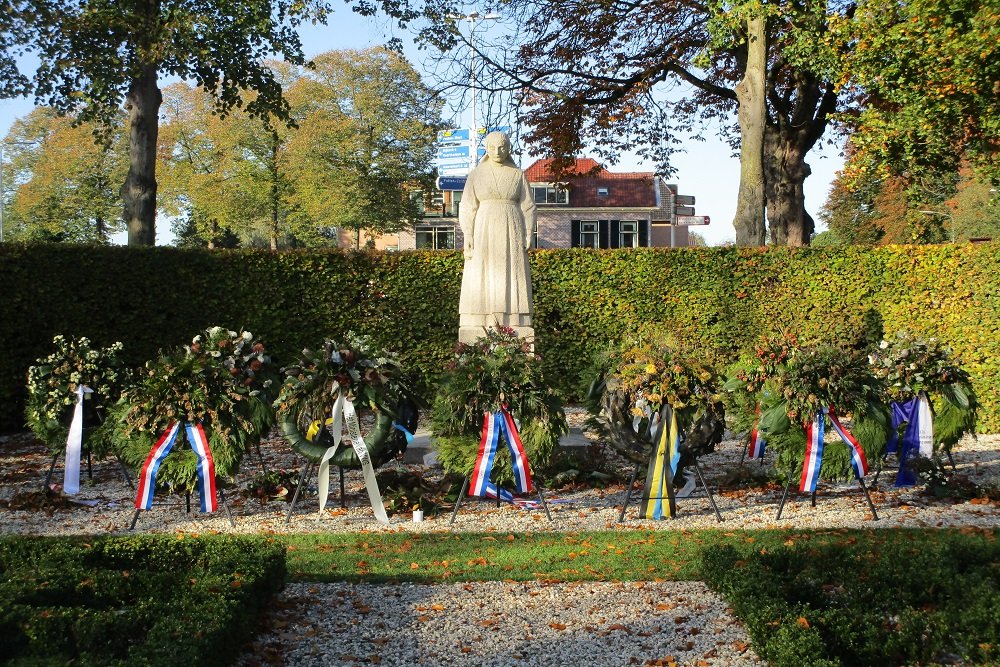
[(65, 185), (365, 127), (96, 55)]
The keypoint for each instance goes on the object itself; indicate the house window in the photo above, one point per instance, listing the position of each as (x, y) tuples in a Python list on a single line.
[(602, 192), (628, 234), (588, 234), (548, 194), (435, 238)]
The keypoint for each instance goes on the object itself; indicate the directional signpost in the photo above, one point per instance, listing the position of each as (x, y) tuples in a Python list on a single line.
[(453, 183), (683, 210), (693, 220)]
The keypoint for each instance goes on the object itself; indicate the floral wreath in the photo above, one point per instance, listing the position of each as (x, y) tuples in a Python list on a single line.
[(642, 377), (784, 385), (355, 370), (498, 369), (223, 380), (911, 365), (53, 382)]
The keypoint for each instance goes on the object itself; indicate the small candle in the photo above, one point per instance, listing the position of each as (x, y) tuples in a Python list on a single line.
[(418, 515)]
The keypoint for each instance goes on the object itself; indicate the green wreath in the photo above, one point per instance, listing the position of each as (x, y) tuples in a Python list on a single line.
[(224, 380), (52, 386), (641, 378), (790, 387), (911, 365), (372, 380), (498, 369)]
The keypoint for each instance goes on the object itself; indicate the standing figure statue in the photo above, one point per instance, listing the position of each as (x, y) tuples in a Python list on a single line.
[(497, 216)]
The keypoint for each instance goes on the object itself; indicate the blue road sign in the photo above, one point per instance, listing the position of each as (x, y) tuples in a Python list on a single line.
[(451, 182), (455, 136), (446, 152)]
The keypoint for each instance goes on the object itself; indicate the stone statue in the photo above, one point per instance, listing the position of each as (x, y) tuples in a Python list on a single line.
[(497, 216)]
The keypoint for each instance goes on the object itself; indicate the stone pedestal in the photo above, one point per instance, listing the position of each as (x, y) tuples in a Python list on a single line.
[(470, 335)]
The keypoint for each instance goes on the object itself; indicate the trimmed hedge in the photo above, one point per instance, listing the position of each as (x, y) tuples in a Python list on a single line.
[(585, 300), (133, 600), (889, 598)]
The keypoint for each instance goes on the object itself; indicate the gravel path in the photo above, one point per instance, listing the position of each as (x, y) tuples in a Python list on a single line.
[(491, 623)]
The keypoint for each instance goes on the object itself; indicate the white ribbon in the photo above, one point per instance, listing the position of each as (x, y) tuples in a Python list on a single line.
[(74, 444), (343, 411), (925, 422)]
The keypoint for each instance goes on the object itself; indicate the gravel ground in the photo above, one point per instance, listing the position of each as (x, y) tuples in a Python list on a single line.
[(491, 623)]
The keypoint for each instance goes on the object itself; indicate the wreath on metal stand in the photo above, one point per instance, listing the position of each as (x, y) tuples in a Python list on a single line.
[(68, 395), (661, 409), (193, 415), (494, 390), (320, 399)]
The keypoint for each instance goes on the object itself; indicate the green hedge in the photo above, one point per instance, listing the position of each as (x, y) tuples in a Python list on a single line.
[(722, 299), (133, 600), (888, 598)]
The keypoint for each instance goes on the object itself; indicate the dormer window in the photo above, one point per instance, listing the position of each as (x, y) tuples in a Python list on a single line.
[(602, 192), (549, 194)]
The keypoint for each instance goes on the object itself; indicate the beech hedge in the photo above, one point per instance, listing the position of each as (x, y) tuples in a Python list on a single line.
[(719, 299)]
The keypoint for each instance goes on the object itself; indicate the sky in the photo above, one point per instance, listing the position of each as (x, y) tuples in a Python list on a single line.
[(707, 169)]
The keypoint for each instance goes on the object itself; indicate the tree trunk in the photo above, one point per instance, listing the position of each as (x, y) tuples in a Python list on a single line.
[(100, 230), (752, 114), (786, 170), (139, 190)]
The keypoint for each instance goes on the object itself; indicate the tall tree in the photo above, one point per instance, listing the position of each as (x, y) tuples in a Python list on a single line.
[(928, 72), (65, 185), (365, 127), (368, 132), (96, 54), (634, 75)]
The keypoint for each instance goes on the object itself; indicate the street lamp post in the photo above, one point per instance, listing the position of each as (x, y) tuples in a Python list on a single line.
[(474, 130), (951, 221)]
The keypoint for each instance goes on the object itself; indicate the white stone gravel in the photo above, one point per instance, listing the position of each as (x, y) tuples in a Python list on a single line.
[(492, 624)]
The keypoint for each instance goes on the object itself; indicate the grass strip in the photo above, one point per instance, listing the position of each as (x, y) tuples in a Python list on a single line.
[(137, 600)]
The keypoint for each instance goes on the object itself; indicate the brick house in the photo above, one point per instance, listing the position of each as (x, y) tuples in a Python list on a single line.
[(590, 208)]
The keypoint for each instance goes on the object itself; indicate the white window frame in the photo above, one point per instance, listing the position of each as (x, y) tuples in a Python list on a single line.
[(624, 234), (439, 235), (553, 195), (590, 229)]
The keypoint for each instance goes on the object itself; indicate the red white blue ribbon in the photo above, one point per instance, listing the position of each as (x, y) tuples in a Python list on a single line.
[(206, 467), (147, 477), (918, 437), (757, 440), (495, 425), (814, 449), (757, 444), (814, 453), (858, 460)]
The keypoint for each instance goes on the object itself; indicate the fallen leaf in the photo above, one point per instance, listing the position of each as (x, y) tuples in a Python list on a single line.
[(557, 626), (803, 622)]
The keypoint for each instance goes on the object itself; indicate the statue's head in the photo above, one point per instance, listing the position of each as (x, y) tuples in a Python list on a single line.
[(497, 146)]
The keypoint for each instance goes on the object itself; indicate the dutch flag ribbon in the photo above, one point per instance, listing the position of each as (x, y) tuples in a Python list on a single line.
[(147, 476), (814, 453), (205, 469), (496, 425), (814, 449), (74, 444), (206, 466), (659, 484)]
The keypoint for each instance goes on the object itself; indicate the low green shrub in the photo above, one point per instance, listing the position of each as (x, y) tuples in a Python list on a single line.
[(895, 599), (142, 600)]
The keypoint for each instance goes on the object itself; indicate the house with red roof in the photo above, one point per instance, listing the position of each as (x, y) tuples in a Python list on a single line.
[(587, 207)]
